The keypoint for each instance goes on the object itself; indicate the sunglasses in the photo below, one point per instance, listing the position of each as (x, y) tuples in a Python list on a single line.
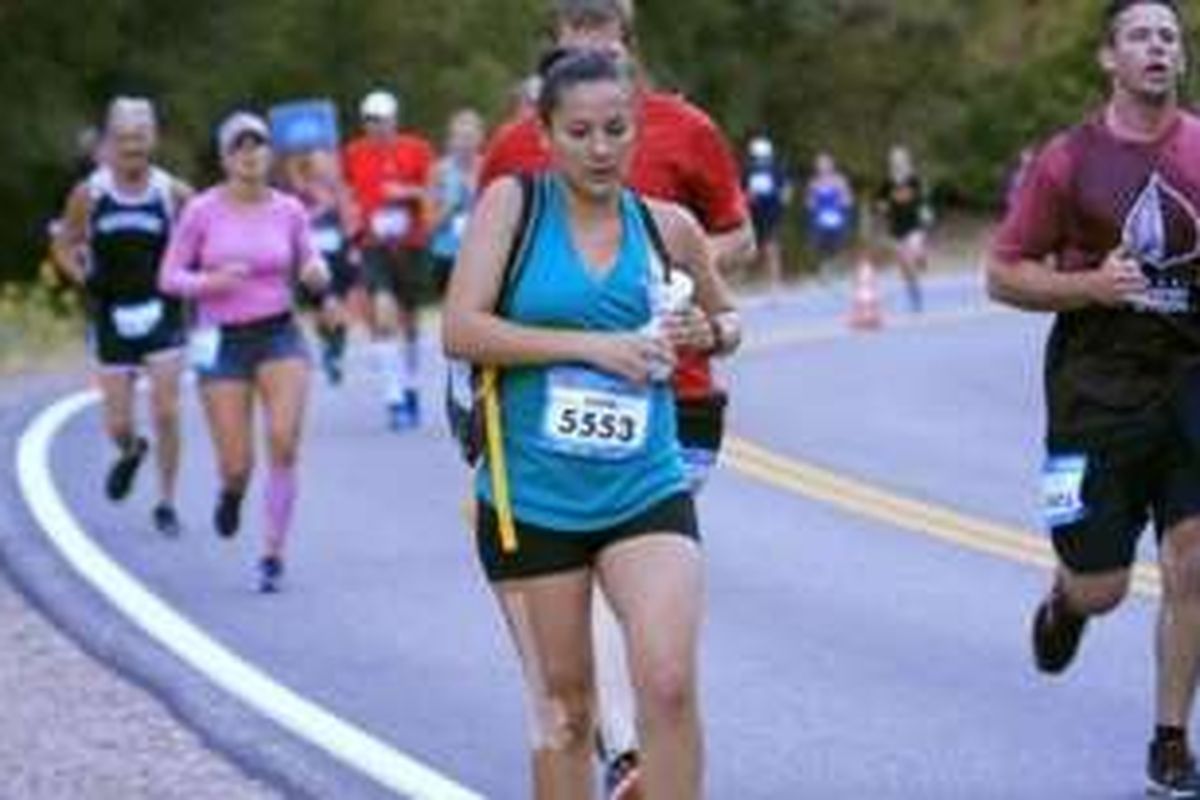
[(248, 139)]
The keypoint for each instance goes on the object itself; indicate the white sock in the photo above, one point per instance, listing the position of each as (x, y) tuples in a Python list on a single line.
[(386, 355)]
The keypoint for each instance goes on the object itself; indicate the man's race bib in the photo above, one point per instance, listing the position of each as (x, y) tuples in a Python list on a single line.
[(204, 347), (761, 184), (1062, 490), (831, 219), (391, 223), (593, 415), (328, 239), (137, 321)]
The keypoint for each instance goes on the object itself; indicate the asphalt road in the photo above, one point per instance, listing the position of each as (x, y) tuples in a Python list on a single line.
[(843, 656)]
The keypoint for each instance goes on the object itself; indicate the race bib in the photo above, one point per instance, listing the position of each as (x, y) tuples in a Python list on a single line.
[(592, 415), (328, 239), (204, 347), (391, 224), (1062, 490), (830, 219), (761, 184), (458, 225), (137, 321)]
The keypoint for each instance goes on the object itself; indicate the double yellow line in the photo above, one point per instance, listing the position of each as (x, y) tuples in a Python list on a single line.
[(873, 502)]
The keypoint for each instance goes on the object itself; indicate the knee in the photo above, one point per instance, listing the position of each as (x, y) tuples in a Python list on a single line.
[(1097, 596), (1181, 564), (166, 417), (284, 448), (565, 719), (668, 694)]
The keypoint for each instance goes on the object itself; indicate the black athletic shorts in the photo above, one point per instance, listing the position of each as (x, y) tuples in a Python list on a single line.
[(127, 334), (544, 552), (1098, 496), (399, 271)]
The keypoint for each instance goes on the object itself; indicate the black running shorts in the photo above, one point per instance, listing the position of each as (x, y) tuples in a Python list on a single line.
[(1098, 497), (544, 552)]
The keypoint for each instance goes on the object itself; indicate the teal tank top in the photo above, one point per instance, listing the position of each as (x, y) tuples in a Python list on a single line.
[(585, 450)]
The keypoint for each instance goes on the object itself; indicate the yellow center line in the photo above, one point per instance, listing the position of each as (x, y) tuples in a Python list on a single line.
[(873, 502)]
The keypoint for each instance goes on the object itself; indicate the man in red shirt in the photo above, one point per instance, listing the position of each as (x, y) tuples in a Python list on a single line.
[(389, 173), (1105, 232), (681, 156)]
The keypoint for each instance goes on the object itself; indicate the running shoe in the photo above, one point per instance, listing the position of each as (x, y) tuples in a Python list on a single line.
[(400, 417), (1057, 632), (623, 778), (166, 521), (1171, 771), (270, 574), (332, 365), (124, 470), (228, 516), (413, 401)]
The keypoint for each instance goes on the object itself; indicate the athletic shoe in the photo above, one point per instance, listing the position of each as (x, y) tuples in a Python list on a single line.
[(412, 401), (228, 516), (332, 365), (1171, 771), (166, 521), (1057, 632), (623, 778), (124, 470), (270, 574), (400, 417)]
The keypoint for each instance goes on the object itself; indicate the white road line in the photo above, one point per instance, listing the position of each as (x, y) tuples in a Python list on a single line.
[(342, 740)]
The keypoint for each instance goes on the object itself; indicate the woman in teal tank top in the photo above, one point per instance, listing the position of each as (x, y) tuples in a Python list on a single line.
[(591, 462)]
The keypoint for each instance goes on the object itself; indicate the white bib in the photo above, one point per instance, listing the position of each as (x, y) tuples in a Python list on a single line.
[(593, 415), (762, 184), (327, 239), (1062, 490), (137, 321), (391, 223), (204, 347)]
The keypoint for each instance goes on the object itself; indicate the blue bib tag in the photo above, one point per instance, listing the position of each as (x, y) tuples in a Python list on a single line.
[(593, 415), (1062, 490)]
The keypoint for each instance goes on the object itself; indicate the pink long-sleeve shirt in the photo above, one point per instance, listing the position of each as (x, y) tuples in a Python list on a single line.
[(271, 238)]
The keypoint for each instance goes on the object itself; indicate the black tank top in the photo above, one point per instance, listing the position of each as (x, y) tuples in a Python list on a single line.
[(128, 236)]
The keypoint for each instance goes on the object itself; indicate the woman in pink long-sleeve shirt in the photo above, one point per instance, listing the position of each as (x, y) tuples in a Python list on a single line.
[(236, 253)]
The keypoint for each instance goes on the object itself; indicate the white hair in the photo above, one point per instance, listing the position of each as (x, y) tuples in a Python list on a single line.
[(131, 112)]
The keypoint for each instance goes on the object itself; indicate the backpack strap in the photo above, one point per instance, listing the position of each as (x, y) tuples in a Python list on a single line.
[(655, 234), (532, 200)]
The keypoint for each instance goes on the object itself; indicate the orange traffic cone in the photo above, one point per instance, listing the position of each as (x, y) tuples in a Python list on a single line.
[(866, 311)]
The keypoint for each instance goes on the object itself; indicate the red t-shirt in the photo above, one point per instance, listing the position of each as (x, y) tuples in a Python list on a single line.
[(680, 157), (369, 165), (1087, 192)]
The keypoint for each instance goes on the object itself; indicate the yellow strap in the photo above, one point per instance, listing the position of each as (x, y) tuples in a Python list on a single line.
[(495, 447)]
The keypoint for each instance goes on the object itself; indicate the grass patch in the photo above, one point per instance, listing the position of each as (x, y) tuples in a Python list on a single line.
[(41, 326)]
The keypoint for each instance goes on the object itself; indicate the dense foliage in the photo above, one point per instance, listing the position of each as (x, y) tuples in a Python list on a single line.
[(965, 83)]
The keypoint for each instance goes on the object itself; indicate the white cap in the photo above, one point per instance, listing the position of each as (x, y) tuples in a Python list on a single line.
[(761, 148), (380, 105), (237, 125)]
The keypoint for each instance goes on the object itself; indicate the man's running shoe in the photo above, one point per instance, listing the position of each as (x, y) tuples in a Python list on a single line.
[(1057, 632), (623, 778), (166, 521), (124, 470), (400, 417), (228, 516), (270, 574), (413, 401), (331, 363), (1171, 771)]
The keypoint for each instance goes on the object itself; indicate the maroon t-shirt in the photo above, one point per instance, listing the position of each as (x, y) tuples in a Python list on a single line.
[(1086, 193)]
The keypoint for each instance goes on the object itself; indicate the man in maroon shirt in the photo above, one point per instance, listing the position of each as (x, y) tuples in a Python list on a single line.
[(681, 156), (1105, 232)]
